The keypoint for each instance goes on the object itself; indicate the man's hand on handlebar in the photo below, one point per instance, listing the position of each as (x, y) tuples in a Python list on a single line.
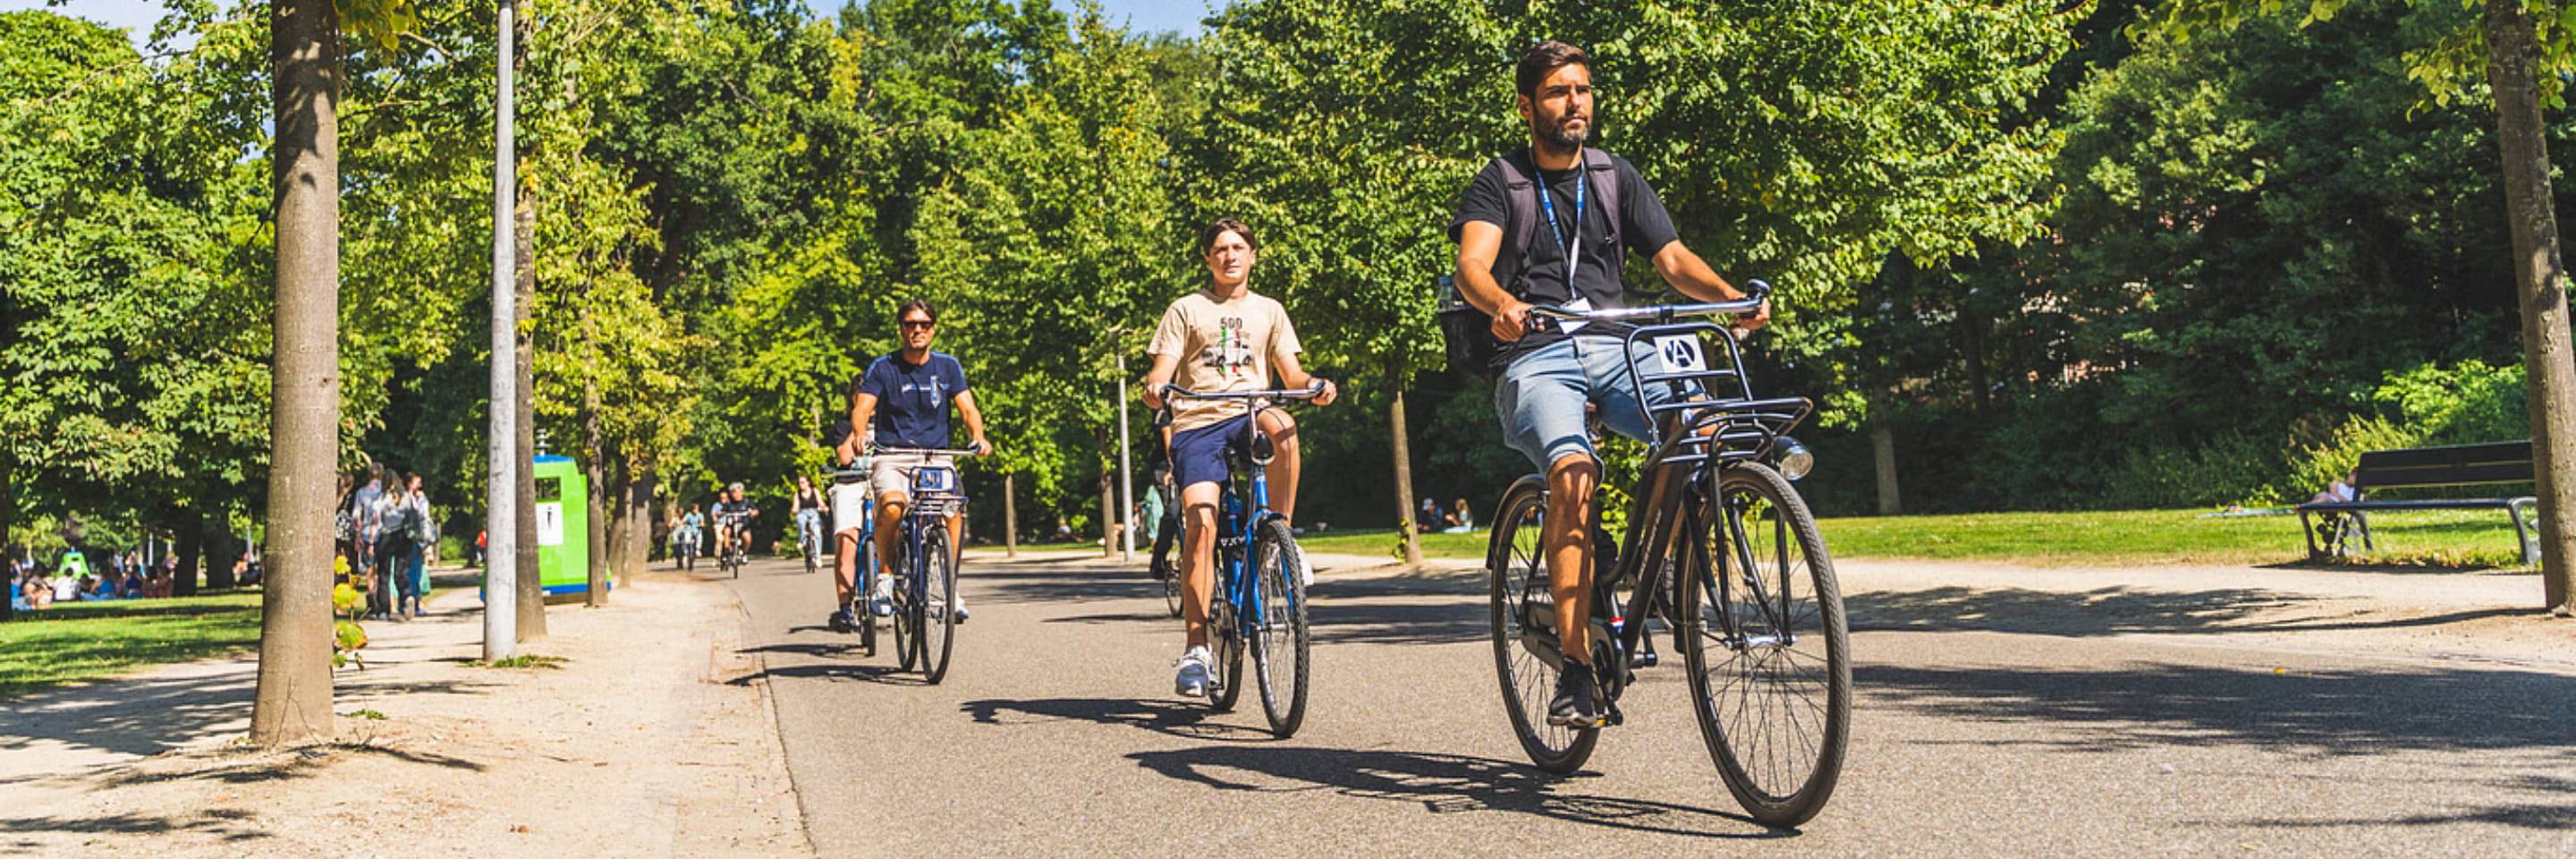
[(981, 447), (1325, 391), (1512, 320)]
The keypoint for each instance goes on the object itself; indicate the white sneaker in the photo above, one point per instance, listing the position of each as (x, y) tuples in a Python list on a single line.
[(1305, 571), (960, 601), (1192, 682), (881, 602)]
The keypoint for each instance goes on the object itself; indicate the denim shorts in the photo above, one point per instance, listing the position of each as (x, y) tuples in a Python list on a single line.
[(1540, 397), (1198, 455)]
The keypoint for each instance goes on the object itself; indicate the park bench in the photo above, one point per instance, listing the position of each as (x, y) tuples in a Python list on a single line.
[(2340, 522)]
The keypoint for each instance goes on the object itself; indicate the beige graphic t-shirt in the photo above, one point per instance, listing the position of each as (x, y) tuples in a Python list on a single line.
[(1223, 346)]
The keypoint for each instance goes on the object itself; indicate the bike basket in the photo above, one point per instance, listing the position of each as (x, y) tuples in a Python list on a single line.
[(934, 478)]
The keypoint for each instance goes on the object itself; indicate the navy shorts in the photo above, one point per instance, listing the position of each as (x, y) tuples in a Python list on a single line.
[(1198, 455)]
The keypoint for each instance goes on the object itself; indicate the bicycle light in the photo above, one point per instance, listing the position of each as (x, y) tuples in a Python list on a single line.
[(1794, 459)]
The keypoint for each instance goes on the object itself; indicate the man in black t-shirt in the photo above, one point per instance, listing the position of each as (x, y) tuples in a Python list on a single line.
[(1571, 259)]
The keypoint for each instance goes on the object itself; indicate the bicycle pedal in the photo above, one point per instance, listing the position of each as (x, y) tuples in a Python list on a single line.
[(1613, 716)]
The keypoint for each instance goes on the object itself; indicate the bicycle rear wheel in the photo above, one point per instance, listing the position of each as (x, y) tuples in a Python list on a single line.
[(1279, 649), (1523, 616), (939, 603), (1225, 647), (1765, 643)]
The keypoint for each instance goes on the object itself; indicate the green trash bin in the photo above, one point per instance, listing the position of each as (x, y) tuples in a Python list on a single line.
[(563, 526)]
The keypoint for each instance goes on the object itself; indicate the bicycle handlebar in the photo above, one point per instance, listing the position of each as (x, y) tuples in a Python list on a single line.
[(1306, 393), (1755, 293), (923, 452)]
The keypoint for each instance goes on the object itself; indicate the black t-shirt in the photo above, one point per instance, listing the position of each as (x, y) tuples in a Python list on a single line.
[(1647, 227)]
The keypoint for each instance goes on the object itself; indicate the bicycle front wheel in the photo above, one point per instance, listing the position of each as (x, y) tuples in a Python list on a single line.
[(1766, 646), (906, 622), (1523, 616), (1279, 648), (938, 604)]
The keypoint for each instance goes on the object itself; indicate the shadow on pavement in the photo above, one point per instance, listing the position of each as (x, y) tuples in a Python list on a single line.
[(2113, 611), (1440, 783), (146, 716), (229, 824), (887, 674), (1167, 717), (2332, 713)]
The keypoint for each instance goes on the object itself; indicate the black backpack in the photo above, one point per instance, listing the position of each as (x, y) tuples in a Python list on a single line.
[(1468, 332)]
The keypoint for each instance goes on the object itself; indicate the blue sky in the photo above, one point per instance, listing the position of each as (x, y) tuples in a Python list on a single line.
[(138, 16)]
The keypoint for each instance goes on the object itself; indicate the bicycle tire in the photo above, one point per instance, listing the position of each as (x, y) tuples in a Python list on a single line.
[(1517, 573), (1283, 634), (939, 603), (907, 615), (1764, 688), (1225, 650)]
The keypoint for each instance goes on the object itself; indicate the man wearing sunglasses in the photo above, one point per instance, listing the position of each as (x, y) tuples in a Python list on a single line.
[(902, 401)]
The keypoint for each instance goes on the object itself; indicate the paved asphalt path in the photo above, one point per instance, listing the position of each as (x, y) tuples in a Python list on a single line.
[(1056, 733)]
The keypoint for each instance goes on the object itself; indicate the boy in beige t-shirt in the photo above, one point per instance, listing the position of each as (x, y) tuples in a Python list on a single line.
[(1220, 339)]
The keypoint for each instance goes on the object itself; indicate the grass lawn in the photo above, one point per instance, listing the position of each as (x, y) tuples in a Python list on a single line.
[(86, 641), (2463, 538)]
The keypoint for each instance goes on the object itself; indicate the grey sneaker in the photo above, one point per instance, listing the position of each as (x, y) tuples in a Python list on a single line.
[(1192, 682), (1576, 704), (881, 601)]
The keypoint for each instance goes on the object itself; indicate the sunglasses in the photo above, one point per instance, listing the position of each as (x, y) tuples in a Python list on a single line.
[(910, 324)]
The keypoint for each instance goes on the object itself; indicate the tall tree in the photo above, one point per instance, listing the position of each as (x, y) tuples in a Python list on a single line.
[(294, 693)]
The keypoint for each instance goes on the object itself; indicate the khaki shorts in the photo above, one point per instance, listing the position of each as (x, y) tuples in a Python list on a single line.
[(849, 501), (892, 475)]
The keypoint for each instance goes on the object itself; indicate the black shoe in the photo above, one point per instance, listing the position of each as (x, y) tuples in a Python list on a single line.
[(1576, 704), (842, 621)]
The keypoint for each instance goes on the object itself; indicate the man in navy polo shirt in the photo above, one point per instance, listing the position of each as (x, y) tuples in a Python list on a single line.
[(902, 402)]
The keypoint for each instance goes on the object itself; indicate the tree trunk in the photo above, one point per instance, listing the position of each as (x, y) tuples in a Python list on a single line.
[(8, 502), (1403, 469), (1882, 447), (532, 593), (191, 546), (638, 526), (2540, 286), (1010, 518), (218, 558), (217, 550), (1108, 522), (595, 465), (293, 702)]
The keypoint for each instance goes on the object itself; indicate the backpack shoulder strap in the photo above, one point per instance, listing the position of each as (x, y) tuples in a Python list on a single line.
[(1605, 188), (1520, 218)]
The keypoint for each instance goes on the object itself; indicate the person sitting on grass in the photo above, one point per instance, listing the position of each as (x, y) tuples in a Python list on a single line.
[(158, 584), (100, 588), (132, 587)]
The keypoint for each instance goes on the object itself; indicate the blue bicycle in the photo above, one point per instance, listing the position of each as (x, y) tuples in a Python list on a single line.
[(864, 567), (925, 564), (1258, 606)]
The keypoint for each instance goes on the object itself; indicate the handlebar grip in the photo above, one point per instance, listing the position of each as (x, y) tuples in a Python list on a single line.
[(1757, 290)]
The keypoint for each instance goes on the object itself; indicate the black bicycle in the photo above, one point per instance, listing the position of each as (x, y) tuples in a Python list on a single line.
[(730, 556), (1722, 546)]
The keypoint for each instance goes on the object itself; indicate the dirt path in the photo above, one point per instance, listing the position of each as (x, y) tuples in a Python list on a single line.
[(651, 737)]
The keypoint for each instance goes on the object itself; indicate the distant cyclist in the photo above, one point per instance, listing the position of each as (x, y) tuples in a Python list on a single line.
[(810, 507), (1592, 207), (902, 401), (733, 520), (1222, 338)]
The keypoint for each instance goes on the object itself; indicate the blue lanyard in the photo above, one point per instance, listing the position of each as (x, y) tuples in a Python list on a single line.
[(1547, 205)]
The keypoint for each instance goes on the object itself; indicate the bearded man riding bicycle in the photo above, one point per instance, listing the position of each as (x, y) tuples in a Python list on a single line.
[(1591, 206)]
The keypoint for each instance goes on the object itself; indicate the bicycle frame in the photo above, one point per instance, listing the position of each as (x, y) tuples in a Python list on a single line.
[(920, 510), (1693, 438), (1235, 528)]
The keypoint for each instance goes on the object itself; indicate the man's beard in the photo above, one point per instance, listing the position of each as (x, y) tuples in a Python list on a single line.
[(1555, 135)]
